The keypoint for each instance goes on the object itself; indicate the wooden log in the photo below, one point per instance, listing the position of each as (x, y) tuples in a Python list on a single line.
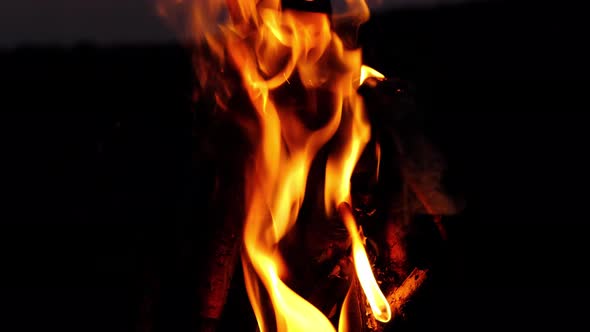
[(396, 248), (397, 297), (219, 230), (214, 288)]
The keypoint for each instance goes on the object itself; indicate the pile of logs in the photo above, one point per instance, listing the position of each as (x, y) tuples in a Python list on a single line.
[(408, 184), (397, 177)]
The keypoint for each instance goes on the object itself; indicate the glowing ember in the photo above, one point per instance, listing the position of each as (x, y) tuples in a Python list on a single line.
[(277, 49)]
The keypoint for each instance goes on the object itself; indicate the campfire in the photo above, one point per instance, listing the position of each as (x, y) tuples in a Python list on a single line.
[(331, 174)]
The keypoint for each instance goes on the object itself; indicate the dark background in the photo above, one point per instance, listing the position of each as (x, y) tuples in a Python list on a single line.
[(101, 186)]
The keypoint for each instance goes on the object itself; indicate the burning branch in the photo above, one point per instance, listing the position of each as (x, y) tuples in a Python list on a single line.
[(398, 297)]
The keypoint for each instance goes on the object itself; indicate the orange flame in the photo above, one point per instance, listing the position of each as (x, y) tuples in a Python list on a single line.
[(375, 297), (274, 49), (378, 156), (343, 322), (368, 72)]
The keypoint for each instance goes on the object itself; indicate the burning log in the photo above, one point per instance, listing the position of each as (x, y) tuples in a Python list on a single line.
[(358, 313), (397, 298), (396, 251)]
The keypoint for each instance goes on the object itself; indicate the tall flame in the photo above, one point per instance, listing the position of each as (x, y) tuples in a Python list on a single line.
[(274, 50)]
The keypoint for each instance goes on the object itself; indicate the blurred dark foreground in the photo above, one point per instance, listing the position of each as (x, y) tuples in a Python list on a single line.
[(102, 213)]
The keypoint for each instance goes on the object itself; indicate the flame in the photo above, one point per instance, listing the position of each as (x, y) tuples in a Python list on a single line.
[(378, 156), (375, 297), (274, 50), (367, 72), (343, 321)]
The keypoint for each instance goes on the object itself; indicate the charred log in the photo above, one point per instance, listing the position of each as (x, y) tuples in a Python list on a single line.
[(217, 130), (398, 297)]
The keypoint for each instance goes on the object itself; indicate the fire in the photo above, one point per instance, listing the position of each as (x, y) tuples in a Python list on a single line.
[(276, 48), (367, 72), (377, 300)]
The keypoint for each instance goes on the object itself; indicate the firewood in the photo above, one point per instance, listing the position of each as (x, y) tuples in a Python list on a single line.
[(399, 296), (396, 253), (221, 228), (214, 288)]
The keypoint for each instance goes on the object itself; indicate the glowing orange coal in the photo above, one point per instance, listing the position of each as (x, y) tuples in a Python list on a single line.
[(278, 49)]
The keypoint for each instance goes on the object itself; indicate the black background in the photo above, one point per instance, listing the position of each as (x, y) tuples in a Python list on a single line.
[(100, 183)]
